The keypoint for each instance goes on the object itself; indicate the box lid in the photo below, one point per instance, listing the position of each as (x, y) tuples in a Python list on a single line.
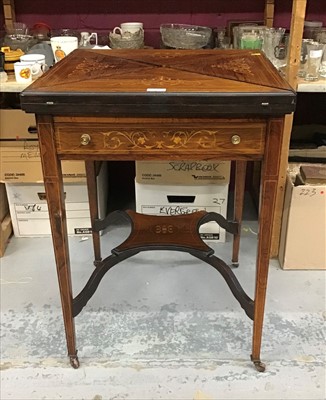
[(161, 82), (314, 174)]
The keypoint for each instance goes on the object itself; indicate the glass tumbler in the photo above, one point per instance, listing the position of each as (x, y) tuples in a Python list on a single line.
[(274, 46), (314, 57), (322, 68), (321, 36), (304, 57), (250, 41)]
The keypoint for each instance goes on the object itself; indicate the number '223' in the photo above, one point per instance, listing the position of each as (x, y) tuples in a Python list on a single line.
[(308, 192)]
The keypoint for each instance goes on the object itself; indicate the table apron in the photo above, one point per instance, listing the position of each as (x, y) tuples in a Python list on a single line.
[(197, 140)]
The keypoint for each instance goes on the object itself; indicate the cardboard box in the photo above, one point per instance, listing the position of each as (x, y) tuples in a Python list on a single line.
[(183, 172), (29, 210), (314, 174), (4, 207), (303, 233), (5, 233), (177, 199), (20, 162), (16, 124), (5, 220)]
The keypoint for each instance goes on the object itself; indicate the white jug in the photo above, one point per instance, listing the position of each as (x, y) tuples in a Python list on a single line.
[(86, 37)]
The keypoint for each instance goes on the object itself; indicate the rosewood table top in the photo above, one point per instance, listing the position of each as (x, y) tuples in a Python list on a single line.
[(161, 82)]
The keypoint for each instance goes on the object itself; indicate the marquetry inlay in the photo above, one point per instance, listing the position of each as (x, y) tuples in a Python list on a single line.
[(152, 139)]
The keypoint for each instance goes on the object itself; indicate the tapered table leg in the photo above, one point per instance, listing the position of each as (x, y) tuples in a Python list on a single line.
[(93, 207), (270, 173), (239, 189), (56, 204)]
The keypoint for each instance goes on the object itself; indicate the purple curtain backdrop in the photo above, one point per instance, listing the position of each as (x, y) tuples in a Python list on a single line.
[(103, 15)]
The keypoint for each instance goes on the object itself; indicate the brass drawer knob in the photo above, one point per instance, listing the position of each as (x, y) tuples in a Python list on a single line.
[(235, 139), (85, 139)]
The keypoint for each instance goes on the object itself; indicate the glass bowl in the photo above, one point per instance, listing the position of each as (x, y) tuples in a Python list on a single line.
[(23, 42), (182, 36)]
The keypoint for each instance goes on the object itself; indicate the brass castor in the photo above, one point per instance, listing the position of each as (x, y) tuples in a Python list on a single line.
[(74, 362), (260, 367)]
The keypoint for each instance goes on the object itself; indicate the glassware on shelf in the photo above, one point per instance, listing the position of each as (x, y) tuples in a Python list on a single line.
[(22, 42), (17, 37), (248, 36), (314, 57), (183, 36), (16, 28), (275, 46), (322, 68), (226, 43), (311, 29), (250, 41), (303, 57), (67, 32), (220, 35), (321, 36)]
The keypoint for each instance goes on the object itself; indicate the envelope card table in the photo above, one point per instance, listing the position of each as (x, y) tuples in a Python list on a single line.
[(151, 104)]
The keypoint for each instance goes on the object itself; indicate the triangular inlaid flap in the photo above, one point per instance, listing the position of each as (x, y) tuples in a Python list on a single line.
[(92, 66), (241, 65)]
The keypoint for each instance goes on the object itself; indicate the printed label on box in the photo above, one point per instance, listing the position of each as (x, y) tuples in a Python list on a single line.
[(20, 161), (183, 172), (29, 209), (32, 219), (83, 231)]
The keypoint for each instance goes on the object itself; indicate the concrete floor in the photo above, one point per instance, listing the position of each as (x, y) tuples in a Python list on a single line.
[(160, 326)]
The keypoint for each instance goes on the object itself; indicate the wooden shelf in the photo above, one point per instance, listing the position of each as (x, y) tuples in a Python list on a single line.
[(12, 86), (316, 86)]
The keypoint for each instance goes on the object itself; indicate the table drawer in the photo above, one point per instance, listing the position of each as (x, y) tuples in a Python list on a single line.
[(187, 139)]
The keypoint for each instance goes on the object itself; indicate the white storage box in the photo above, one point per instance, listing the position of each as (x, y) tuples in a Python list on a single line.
[(178, 199), (183, 172), (29, 210)]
